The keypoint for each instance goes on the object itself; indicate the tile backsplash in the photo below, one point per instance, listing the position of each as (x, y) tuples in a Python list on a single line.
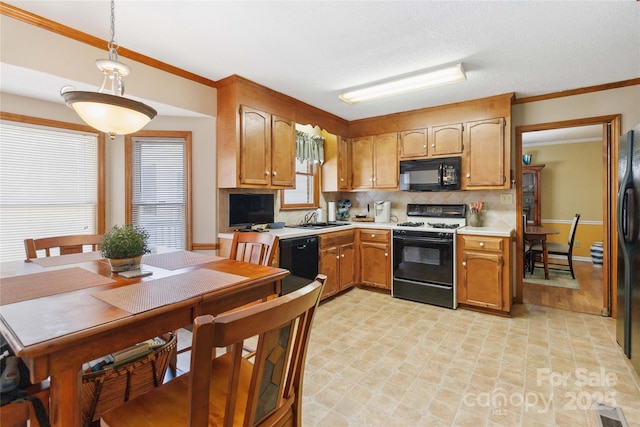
[(494, 213)]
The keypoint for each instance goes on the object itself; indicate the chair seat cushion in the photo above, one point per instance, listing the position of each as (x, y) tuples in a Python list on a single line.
[(552, 248), (168, 404)]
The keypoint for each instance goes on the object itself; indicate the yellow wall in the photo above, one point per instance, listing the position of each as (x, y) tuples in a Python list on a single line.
[(572, 182)]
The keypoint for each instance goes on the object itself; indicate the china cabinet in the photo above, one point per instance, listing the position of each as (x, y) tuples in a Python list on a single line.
[(531, 193)]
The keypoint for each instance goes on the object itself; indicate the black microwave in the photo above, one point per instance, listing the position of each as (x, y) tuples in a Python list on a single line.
[(441, 174)]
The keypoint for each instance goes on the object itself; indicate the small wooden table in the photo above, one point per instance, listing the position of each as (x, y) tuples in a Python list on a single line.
[(534, 233), (57, 317)]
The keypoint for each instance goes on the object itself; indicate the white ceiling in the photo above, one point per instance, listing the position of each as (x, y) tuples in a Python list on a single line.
[(311, 50)]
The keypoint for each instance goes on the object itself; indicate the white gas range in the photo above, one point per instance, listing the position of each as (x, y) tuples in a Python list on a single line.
[(424, 254)]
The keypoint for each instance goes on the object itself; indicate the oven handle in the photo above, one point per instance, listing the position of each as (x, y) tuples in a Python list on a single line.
[(422, 239)]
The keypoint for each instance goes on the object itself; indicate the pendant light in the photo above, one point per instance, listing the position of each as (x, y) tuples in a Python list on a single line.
[(111, 113)]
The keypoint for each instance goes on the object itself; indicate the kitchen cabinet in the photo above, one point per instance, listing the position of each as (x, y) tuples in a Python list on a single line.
[(336, 169), (446, 140), (436, 141), (484, 280), (375, 257), (531, 193), (486, 159), (375, 162), (337, 261), (255, 137)]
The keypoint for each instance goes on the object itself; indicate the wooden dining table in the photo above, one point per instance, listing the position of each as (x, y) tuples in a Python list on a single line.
[(57, 314), (536, 233)]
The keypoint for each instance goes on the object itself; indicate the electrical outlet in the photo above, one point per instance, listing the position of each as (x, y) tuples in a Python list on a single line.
[(506, 199), (576, 243)]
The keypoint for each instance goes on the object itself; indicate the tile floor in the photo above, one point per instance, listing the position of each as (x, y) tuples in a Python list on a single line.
[(379, 361)]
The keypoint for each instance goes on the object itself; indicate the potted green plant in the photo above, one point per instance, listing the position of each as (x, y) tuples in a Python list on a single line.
[(124, 246)]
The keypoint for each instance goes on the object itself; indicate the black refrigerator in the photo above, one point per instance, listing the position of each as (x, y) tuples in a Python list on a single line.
[(628, 223)]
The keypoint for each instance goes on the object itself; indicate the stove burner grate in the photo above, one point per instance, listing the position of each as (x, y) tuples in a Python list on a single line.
[(443, 225), (411, 224)]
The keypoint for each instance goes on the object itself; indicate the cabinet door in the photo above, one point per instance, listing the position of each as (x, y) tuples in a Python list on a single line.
[(283, 152), (347, 266), (413, 143), (328, 265), (446, 140), (344, 164), (386, 163), (375, 265), (481, 282), (255, 128), (362, 155), (485, 154)]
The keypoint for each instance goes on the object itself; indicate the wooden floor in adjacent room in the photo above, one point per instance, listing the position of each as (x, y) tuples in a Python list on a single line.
[(587, 299)]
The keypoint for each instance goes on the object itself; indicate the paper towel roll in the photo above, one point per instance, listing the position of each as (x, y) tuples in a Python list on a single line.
[(332, 211)]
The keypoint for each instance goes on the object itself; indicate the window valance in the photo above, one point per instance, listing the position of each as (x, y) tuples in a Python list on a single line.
[(309, 147)]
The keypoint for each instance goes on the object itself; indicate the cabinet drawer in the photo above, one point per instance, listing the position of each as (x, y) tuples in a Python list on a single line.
[(381, 236), (335, 239), (482, 243)]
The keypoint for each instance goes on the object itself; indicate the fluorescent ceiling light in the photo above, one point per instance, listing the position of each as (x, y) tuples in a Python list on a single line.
[(404, 84)]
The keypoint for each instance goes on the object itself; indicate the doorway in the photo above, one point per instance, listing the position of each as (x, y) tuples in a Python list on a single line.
[(560, 297)]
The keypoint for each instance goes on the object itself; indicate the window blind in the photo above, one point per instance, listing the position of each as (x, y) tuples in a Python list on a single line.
[(159, 189), (48, 185)]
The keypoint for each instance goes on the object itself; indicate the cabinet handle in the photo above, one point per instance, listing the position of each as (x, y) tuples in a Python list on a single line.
[(274, 173), (342, 255), (341, 179), (482, 244), (424, 146), (337, 257), (386, 254), (373, 235), (464, 263), (373, 179), (468, 175), (433, 145), (266, 173)]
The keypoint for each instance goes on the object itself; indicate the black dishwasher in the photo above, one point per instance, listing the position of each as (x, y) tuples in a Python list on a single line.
[(299, 256)]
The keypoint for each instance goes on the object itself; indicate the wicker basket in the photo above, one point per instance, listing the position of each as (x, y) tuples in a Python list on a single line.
[(108, 388)]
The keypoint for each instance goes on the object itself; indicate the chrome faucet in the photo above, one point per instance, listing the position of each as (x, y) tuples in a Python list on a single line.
[(310, 216)]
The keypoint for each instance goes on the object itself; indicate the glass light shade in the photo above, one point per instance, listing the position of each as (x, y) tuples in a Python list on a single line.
[(405, 84), (112, 114)]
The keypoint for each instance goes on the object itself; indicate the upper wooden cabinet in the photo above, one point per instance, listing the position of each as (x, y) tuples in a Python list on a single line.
[(445, 140), (485, 163), (375, 163), (267, 149), (336, 169), (436, 141), (255, 137)]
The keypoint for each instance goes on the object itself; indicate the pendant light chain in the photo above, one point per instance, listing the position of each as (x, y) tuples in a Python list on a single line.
[(113, 45)]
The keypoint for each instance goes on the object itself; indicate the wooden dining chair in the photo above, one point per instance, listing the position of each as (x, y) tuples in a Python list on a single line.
[(66, 244), (254, 247), (559, 249), (231, 390)]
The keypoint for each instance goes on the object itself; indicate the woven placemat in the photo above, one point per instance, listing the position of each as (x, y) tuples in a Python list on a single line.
[(20, 288), (178, 259), (53, 261), (152, 294)]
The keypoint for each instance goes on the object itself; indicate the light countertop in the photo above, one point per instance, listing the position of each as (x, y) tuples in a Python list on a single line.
[(290, 232)]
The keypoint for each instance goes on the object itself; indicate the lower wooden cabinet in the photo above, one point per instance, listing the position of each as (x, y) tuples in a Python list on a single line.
[(375, 257), (484, 279), (337, 261)]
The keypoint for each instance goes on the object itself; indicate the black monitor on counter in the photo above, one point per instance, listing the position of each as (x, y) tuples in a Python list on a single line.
[(247, 209)]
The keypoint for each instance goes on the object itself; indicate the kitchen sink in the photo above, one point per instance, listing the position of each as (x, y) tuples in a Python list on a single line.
[(316, 225)]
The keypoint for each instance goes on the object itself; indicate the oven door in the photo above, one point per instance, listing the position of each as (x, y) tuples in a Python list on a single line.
[(423, 259)]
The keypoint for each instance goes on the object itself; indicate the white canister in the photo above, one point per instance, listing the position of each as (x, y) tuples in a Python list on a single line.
[(319, 215), (332, 211)]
